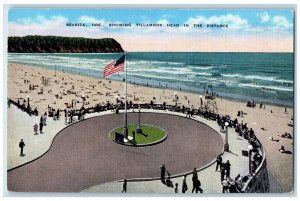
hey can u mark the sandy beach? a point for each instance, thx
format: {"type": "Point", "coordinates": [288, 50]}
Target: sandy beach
{"type": "Point", "coordinates": [270, 121]}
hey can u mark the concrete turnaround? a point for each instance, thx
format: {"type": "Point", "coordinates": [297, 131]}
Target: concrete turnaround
{"type": "Point", "coordinates": [83, 155]}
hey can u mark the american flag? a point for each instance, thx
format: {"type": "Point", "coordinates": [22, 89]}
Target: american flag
{"type": "Point", "coordinates": [114, 67]}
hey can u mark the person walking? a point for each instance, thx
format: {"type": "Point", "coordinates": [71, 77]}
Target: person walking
{"type": "Point", "coordinates": [41, 119]}
{"type": "Point", "coordinates": [198, 188]}
{"type": "Point", "coordinates": [227, 168]}
{"type": "Point", "coordinates": [66, 116]}
{"type": "Point", "coordinates": [124, 186]}
{"type": "Point", "coordinates": [57, 114]}
{"type": "Point", "coordinates": [176, 188]}
{"type": "Point", "coordinates": [184, 185]}
{"type": "Point", "coordinates": [194, 180]}
{"type": "Point", "coordinates": [21, 145]}
{"type": "Point", "coordinates": [35, 129]}
{"type": "Point", "coordinates": [45, 119]}
{"type": "Point", "coordinates": [219, 162]}
{"type": "Point", "coordinates": [162, 173]}
{"type": "Point", "coordinates": [194, 184]}
{"type": "Point", "coordinates": [222, 170]}
{"type": "Point", "coordinates": [41, 127]}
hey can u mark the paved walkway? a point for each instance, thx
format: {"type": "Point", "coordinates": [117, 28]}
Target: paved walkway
{"type": "Point", "coordinates": [209, 178]}
{"type": "Point", "coordinates": [20, 126]}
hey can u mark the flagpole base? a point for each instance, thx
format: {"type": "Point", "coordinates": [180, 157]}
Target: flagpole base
{"type": "Point", "coordinates": [127, 139]}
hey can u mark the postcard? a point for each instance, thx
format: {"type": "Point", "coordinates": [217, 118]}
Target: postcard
{"type": "Point", "coordinates": [156, 101]}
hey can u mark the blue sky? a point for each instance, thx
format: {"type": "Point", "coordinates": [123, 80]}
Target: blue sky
{"type": "Point", "coordinates": [174, 16]}
{"type": "Point", "coordinates": [259, 23]}
{"type": "Point", "coordinates": [134, 14]}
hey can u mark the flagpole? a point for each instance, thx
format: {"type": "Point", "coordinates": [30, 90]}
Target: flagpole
{"type": "Point", "coordinates": [125, 126]}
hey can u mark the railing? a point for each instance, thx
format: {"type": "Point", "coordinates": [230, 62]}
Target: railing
{"type": "Point", "coordinates": [259, 182]}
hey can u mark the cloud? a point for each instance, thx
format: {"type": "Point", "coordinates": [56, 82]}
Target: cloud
{"type": "Point", "coordinates": [42, 19]}
{"type": "Point", "coordinates": [233, 21]}
{"type": "Point", "coordinates": [264, 17]}
{"type": "Point", "coordinates": [280, 22]}
{"type": "Point", "coordinates": [89, 19]}
{"type": "Point", "coordinates": [162, 21]}
{"type": "Point", "coordinates": [24, 21]}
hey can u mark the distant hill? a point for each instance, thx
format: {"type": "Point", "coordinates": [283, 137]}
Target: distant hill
{"type": "Point", "coordinates": [57, 44]}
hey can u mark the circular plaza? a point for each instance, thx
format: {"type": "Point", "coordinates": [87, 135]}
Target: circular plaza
{"type": "Point", "coordinates": [83, 154]}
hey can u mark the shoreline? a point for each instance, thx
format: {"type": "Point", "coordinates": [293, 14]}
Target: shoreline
{"type": "Point", "coordinates": [228, 98]}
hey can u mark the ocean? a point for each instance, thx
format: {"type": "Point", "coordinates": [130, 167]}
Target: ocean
{"type": "Point", "coordinates": [262, 77]}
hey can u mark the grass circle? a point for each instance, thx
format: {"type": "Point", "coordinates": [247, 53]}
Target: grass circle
{"type": "Point", "coordinates": [150, 135]}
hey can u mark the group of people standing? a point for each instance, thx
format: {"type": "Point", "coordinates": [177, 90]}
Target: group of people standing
{"type": "Point", "coordinates": [36, 127]}
{"type": "Point", "coordinates": [70, 113]}
{"type": "Point", "coordinates": [226, 181]}
{"type": "Point", "coordinates": [196, 182]}
{"type": "Point", "coordinates": [43, 122]}
{"type": "Point", "coordinates": [224, 167]}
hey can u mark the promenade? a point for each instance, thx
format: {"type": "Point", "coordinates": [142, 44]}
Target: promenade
{"type": "Point", "coordinates": [37, 145]}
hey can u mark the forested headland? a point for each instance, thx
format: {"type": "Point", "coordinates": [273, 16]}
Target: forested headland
{"type": "Point", "coordinates": [57, 44]}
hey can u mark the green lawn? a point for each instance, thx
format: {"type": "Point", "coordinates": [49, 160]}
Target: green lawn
{"type": "Point", "coordinates": [149, 134]}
